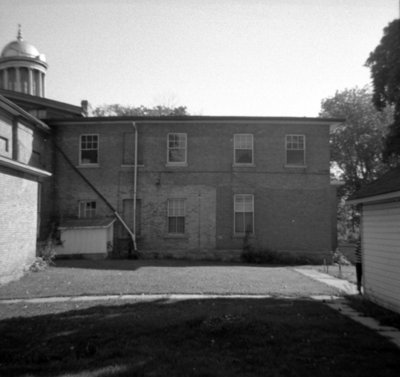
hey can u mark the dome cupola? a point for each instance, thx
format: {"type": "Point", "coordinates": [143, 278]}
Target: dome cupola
{"type": "Point", "coordinates": [22, 67]}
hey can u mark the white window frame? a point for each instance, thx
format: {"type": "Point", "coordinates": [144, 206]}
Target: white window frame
{"type": "Point", "coordinates": [177, 163]}
{"type": "Point", "coordinates": [287, 142]}
{"type": "Point", "coordinates": [242, 144]}
{"type": "Point", "coordinates": [174, 212]}
{"type": "Point", "coordinates": [81, 163]}
{"type": "Point", "coordinates": [237, 209]}
{"type": "Point", "coordinates": [83, 211]}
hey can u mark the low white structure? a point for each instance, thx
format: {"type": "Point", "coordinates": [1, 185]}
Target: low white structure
{"type": "Point", "coordinates": [380, 232]}
{"type": "Point", "coordinates": [86, 237]}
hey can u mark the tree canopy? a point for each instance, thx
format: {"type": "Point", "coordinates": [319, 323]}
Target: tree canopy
{"type": "Point", "coordinates": [119, 110]}
{"type": "Point", "coordinates": [356, 146]}
{"type": "Point", "coordinates": [384, 63]}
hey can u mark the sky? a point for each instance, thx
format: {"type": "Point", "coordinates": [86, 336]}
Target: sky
{"type": "Point", "coordinates": [216, 57]}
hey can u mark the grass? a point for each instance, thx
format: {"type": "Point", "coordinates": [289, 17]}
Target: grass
{"type": "Point", "coordinates": [80, 277]}
{"type": "Point", "coordinates": [218, 337]}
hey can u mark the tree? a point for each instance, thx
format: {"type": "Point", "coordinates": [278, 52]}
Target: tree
{"type": "Point", "coordinates": [119, 110]}
{"type": "Point", "coordinates": [384, 63]}
{"type": "Point", "coordinates": [356, 145]}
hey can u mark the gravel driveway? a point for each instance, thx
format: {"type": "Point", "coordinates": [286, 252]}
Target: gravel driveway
{"type": "Point", "coordinates": [81, 277]}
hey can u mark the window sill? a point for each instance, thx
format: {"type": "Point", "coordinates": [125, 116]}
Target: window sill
{"type": "Point", "coordinates": [296, 166]}
{"type": "Point", "coordinates": [131, 166]}
{"type": "Point", "coordinates": [176, 236]}
{"type": "Point", "coordinates": [180, 165]}
{"type": "Point", "coordinates": [244, 165]}
{"type": "Point", "coordinates": [85, 166]}
{"type": "Point", "coordinates": [242, 235]}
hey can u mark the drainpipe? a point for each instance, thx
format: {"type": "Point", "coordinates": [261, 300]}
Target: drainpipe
{"type": "Point", "coordinates": [135, 187]}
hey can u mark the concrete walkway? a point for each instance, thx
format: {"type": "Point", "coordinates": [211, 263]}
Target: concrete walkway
{"type": "Point", "coordinates": [343, 285]}
{"type": "Point", "coordinates": [341, 305]}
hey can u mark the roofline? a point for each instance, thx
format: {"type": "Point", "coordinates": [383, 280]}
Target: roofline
{"type": "Point", "coordinates": [14, 109]}
{"type": "Point", "coordinates": [196, 118]}
{"type": "Point", "coordinates": [19, 166]}
{"type": "Point", "coordinates": [41, 101]}
{"type": "Point", "coordinates": [375, 198]}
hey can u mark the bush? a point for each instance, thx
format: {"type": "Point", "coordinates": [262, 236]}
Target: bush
{"type": "Point", "coordinates": [267, 256]}
{"type": "Point", "coordinates": [47, 254]}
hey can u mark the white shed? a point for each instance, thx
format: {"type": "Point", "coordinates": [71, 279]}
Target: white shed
{"type": "Point", "coordinates": [86, 237]}
{"type": "Point", "coordinates": [380, 232]}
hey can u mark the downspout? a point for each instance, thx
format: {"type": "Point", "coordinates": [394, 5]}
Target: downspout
{"type": "Point", "coordinates": [135, 188]}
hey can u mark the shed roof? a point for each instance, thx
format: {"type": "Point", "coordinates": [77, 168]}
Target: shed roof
{"type": "Point", "coordinates": [94, 223]}
{"type": "Point", "coordinates": [387, 184]}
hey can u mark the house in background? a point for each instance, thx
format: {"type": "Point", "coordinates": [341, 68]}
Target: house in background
{"type": "Point", "coordinates": [190, 186]}
{"type": "Point", "coordinates": [380, 234]}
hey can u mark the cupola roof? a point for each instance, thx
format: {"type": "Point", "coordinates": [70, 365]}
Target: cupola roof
{"type": "Point", "coordinates": [21, 48]}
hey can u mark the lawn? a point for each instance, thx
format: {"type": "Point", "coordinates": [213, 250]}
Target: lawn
{"type": "Point", "coordinates": [80, 277]}
{"type": "Point", "coordinates": [209, 337]}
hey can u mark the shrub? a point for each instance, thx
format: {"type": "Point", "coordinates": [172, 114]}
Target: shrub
{"type": "Point", "coordinates": [47, 254]}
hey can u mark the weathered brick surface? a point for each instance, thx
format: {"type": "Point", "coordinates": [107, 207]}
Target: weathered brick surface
{"type": "Point", "coordinates": [292, 206]}
{"type": "Point", "coordinates": [18, 216]}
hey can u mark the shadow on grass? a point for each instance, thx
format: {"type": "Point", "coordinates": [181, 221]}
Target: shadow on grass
{"type": "Point", "coordinates": [132, 265]}
{"type": "Point", "coordinates": [214, 337]}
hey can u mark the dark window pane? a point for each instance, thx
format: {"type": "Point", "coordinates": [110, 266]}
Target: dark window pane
{"type": "Point", "coordinates": [89, 157]}
{"type": "Point", "coordinates": [244, 156]}
{"type": "Point", "coordinates": [295, 157]}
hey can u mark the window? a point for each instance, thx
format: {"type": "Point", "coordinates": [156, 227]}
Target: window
{"type": "Point", "coordinates": [89, 149]}
{"type": "Point", "coordinates": [3, 145]}
{"type": "Point", "coordinates": [177, 149]}
{"type": "Point", "coordinates": [176, 216]}
{"type": "Point", "coordinates": [243, 149]}
{"type": "Point", "coordinates": [87, 209]}
{"type": "Point", "coordinates": [244, 214]}
{"type": "Point", "coordinates": [295, 150]}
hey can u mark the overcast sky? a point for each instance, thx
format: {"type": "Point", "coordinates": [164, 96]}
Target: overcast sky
{"type": "Point", "coordinates": [217, 57]}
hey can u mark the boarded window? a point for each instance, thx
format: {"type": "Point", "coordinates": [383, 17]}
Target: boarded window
{"type": "Point", "coordinates": [127, 215]}
{"type": "Point", "coordinates": [129, 150]}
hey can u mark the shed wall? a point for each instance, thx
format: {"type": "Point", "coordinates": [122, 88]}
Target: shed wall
{"type": "Point", "coordinates": [381, 253]}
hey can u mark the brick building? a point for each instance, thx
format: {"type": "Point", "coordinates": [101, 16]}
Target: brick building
{"type": "Point", "coordinates": [202, 182]}
{"type": "Point", "coordinates": [189, 186]}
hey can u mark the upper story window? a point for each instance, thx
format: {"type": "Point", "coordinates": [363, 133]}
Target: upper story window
{"type": "Point", "coordinates": [176, 216]}
{"type": "Point", "coordinates": [243, 149]}
{"type": "Point", "coordinates": [296, 150]}
{"type": "Point", "coordinates": [89, 149]}
{"type": "Point", "coordinates": [177, 149]}
{"type": "Point", "coordinates": [244, 213]}
{"type": "Point", "coordinates": [87, 209]}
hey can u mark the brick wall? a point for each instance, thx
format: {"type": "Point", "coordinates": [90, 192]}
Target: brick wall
{"type": "Point", "coordinates": [18, 214]}
{"type": "Point", "coordinates": [292, 205]}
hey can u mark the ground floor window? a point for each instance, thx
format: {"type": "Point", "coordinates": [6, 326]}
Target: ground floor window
{"type": "Point", "coordinates": [176, 216]}
{"type": "Point", "coordinates": [244, 213]}
{"type": "Point", "coordinates": [87, 209]}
